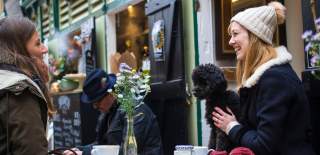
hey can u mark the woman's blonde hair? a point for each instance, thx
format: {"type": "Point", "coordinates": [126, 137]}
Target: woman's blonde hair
{"type": "Point", "coordinates": [258, 53]}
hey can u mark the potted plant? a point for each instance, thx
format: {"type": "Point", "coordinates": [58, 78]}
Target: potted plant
{"type": "Point", "coordinates": [311, 76]}
{"type": "Point", "coordinates": [312, 49]}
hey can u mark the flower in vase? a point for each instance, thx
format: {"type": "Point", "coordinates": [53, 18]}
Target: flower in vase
{"type": "Point", "coordinates": [131, 88]}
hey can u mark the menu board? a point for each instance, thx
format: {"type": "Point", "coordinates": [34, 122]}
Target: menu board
{"type": "Point", "coordinates": [67, 122]}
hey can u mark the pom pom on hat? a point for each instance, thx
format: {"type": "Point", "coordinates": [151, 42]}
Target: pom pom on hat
{"type": "Point", "coordinates": [262, 21]}
{"type": "Point", "coordinates": [280, 11]}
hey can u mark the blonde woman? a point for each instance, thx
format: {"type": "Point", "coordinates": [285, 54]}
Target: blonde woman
{"type": "Point", "coordinates": [274, 108]}
{"type": "Point", "coordinates": [24, 99]}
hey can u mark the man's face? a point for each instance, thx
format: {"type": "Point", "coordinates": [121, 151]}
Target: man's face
{"type": "Point", "coordinates": [105, 103]}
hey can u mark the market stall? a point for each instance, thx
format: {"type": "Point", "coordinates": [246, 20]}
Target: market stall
{"type": "Point", "coordinates": [72, 55]}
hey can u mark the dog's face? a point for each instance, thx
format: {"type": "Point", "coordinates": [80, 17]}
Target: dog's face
{"type": "Point", "coordinates": [201, 88]}
{"type": "Point", "coordinates": [207, 80]}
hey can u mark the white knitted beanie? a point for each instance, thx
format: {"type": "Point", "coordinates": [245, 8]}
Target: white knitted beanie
{"type": "Point", "coordinates": [261, 21]}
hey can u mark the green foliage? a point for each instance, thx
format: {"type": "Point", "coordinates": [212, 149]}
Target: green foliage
{"type": "Point", "coordinates": [131, 88]}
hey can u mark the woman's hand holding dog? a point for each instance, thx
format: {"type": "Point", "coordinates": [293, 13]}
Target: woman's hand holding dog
{"type": "Point", "coordinates": [224, 120]}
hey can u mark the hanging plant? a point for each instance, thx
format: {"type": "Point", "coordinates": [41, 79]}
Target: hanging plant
{"type": "Point", "coordinates": [312, 40]}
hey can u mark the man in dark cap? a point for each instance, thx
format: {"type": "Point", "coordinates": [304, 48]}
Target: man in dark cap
{"type": "Point", "coordinates": [112, 122]}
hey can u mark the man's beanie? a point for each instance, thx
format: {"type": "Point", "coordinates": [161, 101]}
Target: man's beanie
{"type": "Point", "coordinates": [262, 21]}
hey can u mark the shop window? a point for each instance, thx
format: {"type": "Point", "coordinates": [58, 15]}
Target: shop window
{"type": "Point", "coordinates": [64, 14]}
{"type": "Point", "coordinates": [132, 39]}
{"type": "Point", "coordinates": [225, 9]}
{"type": "Point", "coordinates": [96, 5]}
{"type": "Point", "coordinates": [47, 19]}
{"type": "Point", "coordinates": [71, 55]}
{"type": "Point", "coordinates": [73, 11]}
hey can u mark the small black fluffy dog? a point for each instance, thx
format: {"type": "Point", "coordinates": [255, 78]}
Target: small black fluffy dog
{"type": "Point", "coordinates": [210, 84]}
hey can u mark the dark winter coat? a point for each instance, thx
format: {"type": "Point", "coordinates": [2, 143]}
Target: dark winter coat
{"type": "Point", "coordinates": [112, 129]}
{"type": "Point", "coordinates": [275, 112]}
{"type": "Point", "coordinates": [23, 115]}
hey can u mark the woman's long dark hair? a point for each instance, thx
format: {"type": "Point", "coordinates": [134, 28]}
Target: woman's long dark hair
{"type": "Point", "coordinates": [15, 32]}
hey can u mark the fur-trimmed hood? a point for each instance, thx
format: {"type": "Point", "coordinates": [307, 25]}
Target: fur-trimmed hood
{"type": "Point", "coordinates": [283, 56]}
{"type": "Point", "coordinates": [6, 57]}
{"type": "Point", "coordinates": [9, 78]}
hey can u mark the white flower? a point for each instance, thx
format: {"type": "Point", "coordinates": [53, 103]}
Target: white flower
{"type": "Point", "coordinates": [109, 90]}
{"type": "Point", "coordinates": [308, 46]}
{"type": "Point", "coordinates": [123, 67]}
{"type": "Point", "coordinates": [139, 97]}
{"type": "Point", "coordinates": [136, 76]}
{"type": "Point", "coordinates": [143, 86]}
{"type": "Point", "coordinates": [120, 78]}
{"type": "Point", "coordinates": [142, 90]}
{"type": "Point", "coordinates": [315, 37]}
{"type": "Point", "coordinates": [137, 91]}
{"type": "Point", "coordinates": [307, 34]}
{"type": "Point", "coordinates": [130, 88]}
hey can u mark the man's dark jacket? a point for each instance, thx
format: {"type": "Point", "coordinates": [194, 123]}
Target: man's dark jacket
{"type": "Point", "coordinates": [111, 130]}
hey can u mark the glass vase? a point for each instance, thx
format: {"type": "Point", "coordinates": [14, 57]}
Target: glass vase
{"type": "Point", "coordinates": [130, 144]}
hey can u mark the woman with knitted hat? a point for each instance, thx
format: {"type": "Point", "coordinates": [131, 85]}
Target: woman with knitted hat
{"type": "Point", "coordinates": [274, 108]}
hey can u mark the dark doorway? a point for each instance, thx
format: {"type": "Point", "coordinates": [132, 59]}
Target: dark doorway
{"type": "Point", "coordinates": [168, 93]}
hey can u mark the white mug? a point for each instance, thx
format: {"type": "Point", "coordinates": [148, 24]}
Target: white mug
{"type": "Point", "coordinates": [105, 149]}
{"type": "Point", "coordinates": [181, 152]}
{"type": "Point", "coordinates": [200, 150]}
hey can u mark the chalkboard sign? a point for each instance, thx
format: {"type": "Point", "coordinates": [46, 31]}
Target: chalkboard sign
{"type": "Point", "coordinates": [67, 122]}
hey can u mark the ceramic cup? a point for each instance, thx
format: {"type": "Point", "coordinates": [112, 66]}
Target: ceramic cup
{"type": "Point", "coordinates": [200, 150]}
{"type": "Point", "coordinates": [105, 149]}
